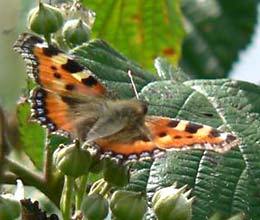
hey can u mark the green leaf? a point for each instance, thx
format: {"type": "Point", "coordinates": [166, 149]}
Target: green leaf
{"type": "Point", "coordinates": [167, 72]}
{"type": "Point", "coordinates": [112, 67]}
{"type": "Point", "coordinates": [141, 29]}
{"type": "Point", "coordinates": [217, 31]}
{"type": "Point", "coordinates": [55, 140]}
{"type": "Point", "coordinates": [139, 176]}
{"type": "Point", "coordinates": [32, 135]}
{"type": "Point", "coordinates": [226, 183]}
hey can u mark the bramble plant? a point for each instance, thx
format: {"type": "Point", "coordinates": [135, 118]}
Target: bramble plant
{"type": "Point", "coordinates": [181, 185]}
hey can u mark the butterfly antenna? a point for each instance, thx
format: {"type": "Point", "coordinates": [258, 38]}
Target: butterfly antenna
{"type": "Point", "coordinates": [133, 84]}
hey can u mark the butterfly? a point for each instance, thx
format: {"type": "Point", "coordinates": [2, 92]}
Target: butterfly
{"type": "Point", "coordinates": [71, 100]}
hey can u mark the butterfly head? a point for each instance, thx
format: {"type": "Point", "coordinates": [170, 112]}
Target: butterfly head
{"type": "Point", "coordinates": [140, 106]}
{"type": "Point", "coordinates": [136, 107]}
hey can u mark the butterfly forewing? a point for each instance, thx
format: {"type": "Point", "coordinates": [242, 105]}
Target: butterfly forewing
{"type": "Point", "coordinates": [65, 86]}
{"type": "Point", "coordinates": [56, 71]}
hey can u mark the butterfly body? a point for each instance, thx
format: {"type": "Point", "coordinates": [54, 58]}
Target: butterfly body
{"type": "Point", "coordinates": [70, 99]}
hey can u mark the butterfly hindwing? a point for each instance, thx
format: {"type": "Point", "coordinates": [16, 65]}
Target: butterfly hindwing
{"type": "Point", "coordinates": [168, 134]}
{"type": "Point", "coordinates": [51, 111]}
{"type": "Point", "coordinates": [174, 134]}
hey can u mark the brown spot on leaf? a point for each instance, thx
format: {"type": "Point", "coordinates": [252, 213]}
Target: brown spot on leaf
{"type": "Point", "coordinates": [168, 51]}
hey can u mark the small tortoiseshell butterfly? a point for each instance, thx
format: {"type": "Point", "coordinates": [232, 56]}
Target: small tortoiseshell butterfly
{"type": "Point", "coordinates": [71, 100]}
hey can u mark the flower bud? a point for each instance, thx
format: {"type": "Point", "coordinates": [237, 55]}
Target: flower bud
{"type": "Point", "coordinates": [115, 173]}
{"type": "Point", "coordinates": [94, 207]}
{"type": "Point", "coordinates": [76, 32]}
{"type": "Point", "coordinates": [9, 207]}
{"type": "Point", "coordinates": [171, 203]}
{"type": "Point", "coordinates": [97, 164]}
{"type": "Point", "coordinates": [128, 205]}
{"type": "Point", "coordinates": [72, 160]}
{"type": "Point", "coordinates": [45, 19]}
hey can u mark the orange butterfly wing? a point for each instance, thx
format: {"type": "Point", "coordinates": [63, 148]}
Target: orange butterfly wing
{"type": "Point", "coordinates": [54, 70]}
{"type": "Point", "coordinates": [49, 109]}
{"type": "Point", "coordinates": [59, 76]}
{"type": "Point", "coordinates": [172, 134]}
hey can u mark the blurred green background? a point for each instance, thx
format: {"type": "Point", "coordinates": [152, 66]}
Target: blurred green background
{"type": "Point", "coordinates": [12, 21]}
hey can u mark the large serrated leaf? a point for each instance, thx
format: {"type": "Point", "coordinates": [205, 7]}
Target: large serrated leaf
{"type": "Point", "coordinates": [217, 180]}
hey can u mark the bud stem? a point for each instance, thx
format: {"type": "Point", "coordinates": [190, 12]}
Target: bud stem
{"type": "Point", "coordinates": [81, 191]}
{"type": "Point", "coordinates": [48, 38]}
{"type": "Point", "coordinates": [66, 198]}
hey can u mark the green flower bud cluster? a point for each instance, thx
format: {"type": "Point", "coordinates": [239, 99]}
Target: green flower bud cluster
{"type": "Point", "coordinates": [46, 20]}
{"type": "Point", "coordinates": [171, 203]}
{"type": "Point", "coordinates": [115, 174]}
{"type": "Point", "coordinates": [72, 160]}
{"type": "Point", "coordinates": [95, 207]}
{"type": "Point", "coordinates": [76, 32]}
{"type": "Point", "coordinates": [128, 205]}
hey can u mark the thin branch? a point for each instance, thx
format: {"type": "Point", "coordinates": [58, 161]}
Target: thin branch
{"type": "Point", "coordinates": [8, 178]}
{"type": "Point", "coordinates": [34, 179]}
{"type": "Point", "coordinates": [26, 175]}
{"type": "Point", "coordinates": [47, 161]}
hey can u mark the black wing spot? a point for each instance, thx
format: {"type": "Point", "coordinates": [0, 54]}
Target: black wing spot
{"type": "Point", "coordinates": [50, 51]}
{"type": "Point", "coordinates": [173, 123]}
{"type": "Point", "coordinates": [53, 67]}
{"type": "Point", "coordinates": [72, 102]}
{"type": "Point", "coordinates": [177, 137]}
{"type": "Point", "coordinates": [70, 87]}
{"type": "Point", "coordinates": [72, 66]}
{"type": "Point", "coordinates": [145, 139]}
{"type": "Point", "coordinates": [230, 138]}
{"type": "Point", "coordinates": [89, 81]}
{"type": "Point", "coordinates": [57, 75]}
{"type": "Point", "coordinates": [162, 134]}
{"type": "Point", "coordinates": [193, 128]}
{"type": "Point", "coordinates": [214, 133]}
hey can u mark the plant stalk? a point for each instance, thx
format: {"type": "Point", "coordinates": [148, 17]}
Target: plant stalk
{"type": "Point", "coordinates": [31, 178]}
{"type": "Point", "coordinates": [81, 191]}
{"type": "Point", "coordinates": [66, 197]}
{"type": "Point", "coordinates": [47, 161]}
